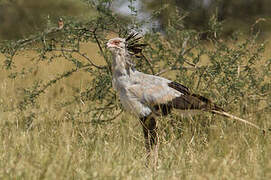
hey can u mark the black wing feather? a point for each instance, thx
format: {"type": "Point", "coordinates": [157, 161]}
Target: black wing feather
{"type": "Point", "coordinates": [187, 101]}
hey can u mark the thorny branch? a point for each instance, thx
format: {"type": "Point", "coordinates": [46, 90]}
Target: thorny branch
{"type": "Point", "coordinates": [31, 95]}
{"type": "Point", "coordinates": [88, 59]}
{"type": "Point", "coordinates": [183, 53]}
{"type": "Point", "coordinates": [24, 42]}
{"type": "Point", "coordinates": [99, 45]}
{"type": "Point", "coordinates": [36, 93]}
{"type": "Point", "coordinates": [82, 55]}
{"type": "Point", "coordinates": [37, 37]}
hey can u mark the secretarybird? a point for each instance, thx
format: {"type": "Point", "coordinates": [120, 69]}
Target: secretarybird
{"type": "Point", "coordinates": [147, 96]}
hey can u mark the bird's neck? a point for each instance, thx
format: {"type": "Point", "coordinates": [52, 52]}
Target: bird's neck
{"type": "Point", "coordinates": [120, 66]}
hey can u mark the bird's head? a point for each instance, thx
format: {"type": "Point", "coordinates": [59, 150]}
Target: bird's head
{"type": "Point", "coordinates": [116, 45]}
{"type": "Point", "coordinates": [129, 45]}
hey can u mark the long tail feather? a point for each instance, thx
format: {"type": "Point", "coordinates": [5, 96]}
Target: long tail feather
{"type": "Point", "coordinates": [223, 113]}
{"type": "Point", "coordinates": [189, 101]}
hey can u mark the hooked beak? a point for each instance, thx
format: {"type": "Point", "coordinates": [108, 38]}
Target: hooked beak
{"type": "Point", "coordinates": [108, 45]}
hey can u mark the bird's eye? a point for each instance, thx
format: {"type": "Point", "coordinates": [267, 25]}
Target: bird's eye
{"type": "Point", "coordinates": [116, 42]}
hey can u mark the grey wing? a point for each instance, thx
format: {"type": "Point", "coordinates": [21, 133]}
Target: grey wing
{"type": "Point", "coordinates": [152, 90]}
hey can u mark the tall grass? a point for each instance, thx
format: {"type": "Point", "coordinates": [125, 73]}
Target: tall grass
{"type": "Point", "coordinates": [56, 149]}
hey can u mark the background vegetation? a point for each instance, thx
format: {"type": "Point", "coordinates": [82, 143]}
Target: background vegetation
{"type": "Point", "coordinates": [60, 118]}
{"type": "Point", "coordinates": [236, 14]}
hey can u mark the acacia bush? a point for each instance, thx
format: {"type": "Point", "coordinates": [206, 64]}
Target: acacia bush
{"type": "Point", "coordinates": [232, 72]}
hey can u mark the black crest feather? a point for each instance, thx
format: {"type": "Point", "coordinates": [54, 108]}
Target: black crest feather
{"type": "Point", "coordinates": [133, 45]}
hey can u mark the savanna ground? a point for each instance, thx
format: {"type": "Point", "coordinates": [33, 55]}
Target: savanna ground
{"type": "Point", "coordinates": [55, 134]}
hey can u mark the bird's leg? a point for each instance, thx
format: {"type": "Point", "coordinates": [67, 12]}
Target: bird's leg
{"type": "Point", "coordinates": [151, 137]}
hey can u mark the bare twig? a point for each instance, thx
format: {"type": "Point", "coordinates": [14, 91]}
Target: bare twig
{"type": "Point", "coordinates": [99, 45]}
{"type": "Point", "coordinates": [102, 121]}
{"type": "Point", "coordinates": [88, 59]}
{"type": "Point", "coordinates": [24, 42]}
{"type": "Point", "coordinates": [100, 109]}
{"type": "Point", "coordinates": [101, 50]}
{"type": "Point", "coordinates": [189, 63]}
{"type": "Point", "coordinates": [113, 118]}
{"type": "Point", "coordinates": [175, 68]}
{"type": "Point", "coordinates": [82, 55]}
{"type": "Point", "coordinates": [148, 62]}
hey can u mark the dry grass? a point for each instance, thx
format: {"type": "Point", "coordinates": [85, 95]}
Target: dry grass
{"type": "Point", "coordinates": [58, 145]}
